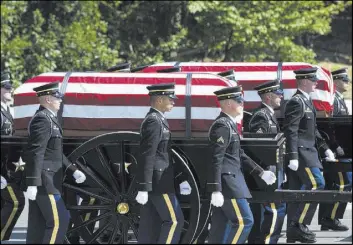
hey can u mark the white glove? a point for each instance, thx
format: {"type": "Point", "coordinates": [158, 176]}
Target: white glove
{"type": "Point", "coordinates": [329, 155]}
{"type": "Point", "coordinates": [3, 183]}
{"type": "Point", "coordinates": [142, 197]}
{"type": "Point", "coordinates": [269, 177]}
{"type": "Point", "coordinates": [293, 164]}
{"type": "Point", "coordinates": [185, 188]}
{"type": "Point", "coordinates": [217, 199]}
{"type": "Point", "coordinates": [31, 192]}
{"type": "Point", "coordinates": [79, 176]}
{"type": "Point", "coordinates": [340, 151]}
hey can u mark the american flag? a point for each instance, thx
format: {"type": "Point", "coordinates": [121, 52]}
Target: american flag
{"type": "Point", "coordinates": [97, 102]}
{"type": "Point", "coordinates": [106, 102]}
{"type": "Point", "coordinates": [251, 74]}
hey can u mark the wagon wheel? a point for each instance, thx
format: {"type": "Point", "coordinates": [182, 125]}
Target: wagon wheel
{"type": "Point", "coordinates": [103, 208]}
{"type": "Point", "coordinates": [201, 232]}
{"type": "Point", "coordinates": [190, 204]}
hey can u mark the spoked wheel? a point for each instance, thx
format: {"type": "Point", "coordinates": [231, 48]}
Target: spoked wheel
{"type": "Point", "coordinates": [103, 208]}
{"type": "Point", "coordinates": [200, 231]}
{"type": "Point", "coordinates": [190, 204]}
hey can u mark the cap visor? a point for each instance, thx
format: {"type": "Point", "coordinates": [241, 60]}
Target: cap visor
{"type": "Point", "coordinates": [314, 79]}
{"type": "Point", "coordinates": [278, 92]}
{"type": "Point", "coordinates": [239, 99]}
{"type": "Point", "coordinates": [172, 96]}
{"type": "Point", "coordinates": [346, 80]}
{"type": "Point", "coordinates": [58, 95]}
{"type": "Point", "coordinates": [7, 86]}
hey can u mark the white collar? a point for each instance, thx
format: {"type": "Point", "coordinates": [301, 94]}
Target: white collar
{"type": "Point", "coordinates": [233, 118]}
{"type": "Point", "coordinates": [158, 111]}
{"type": "Point", "coordinates": [54, 114]}
{"type": "Point", "coordinates": [269, 107]}
{"type": "Point", "coordinates": [305, 94]}
{"type": "Point", "coordinates": [3, 104]}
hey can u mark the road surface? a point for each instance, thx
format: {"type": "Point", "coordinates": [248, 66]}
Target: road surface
{"type": "Point", "coordinates": [323, 237]}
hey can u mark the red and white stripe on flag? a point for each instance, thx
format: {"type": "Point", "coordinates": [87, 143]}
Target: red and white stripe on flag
{"type": "Point", "coordinates": [251, 74]}
{"type": "Point", "coordinates": [120, 101]}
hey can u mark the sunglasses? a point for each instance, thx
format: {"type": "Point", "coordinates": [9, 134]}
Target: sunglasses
{"type": "Point", "coordinates": [239, 99]}
{"type": "Point", "coordinates": [278, 92]}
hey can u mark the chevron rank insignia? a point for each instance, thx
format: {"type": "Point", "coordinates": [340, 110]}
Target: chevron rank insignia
{"type": "Point", "coordinates": [127, 164]}
{"type": "Point", "coordinates": [259, 131]}
{"type": "Point", "coordinates": [221, 140]}
{"type": "Point", "coordinates": [307, 109]}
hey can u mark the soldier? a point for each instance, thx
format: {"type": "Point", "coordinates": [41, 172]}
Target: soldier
{"type": "Point", "coordinates": [161, 216]}
{"type": "Point", "coordinates": [232, 219]}
{"type": "Point", "coordinates": [330, 213]}
{"type": "Point", "coordinates": [302, 143]}
{"type": "Point", "coordinates": [263, 120]}
{"type": "Point", "coordinates": [12, 198]}
{"type": "Point", "coordinates": [341, 80]}
{"type": "Point", "coordinates": [48, 218]}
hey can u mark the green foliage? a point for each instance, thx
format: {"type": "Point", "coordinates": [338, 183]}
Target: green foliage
{"type": "Point", "coordinates": [14, 40]}
{"type": "Point", "coordinates": [35, 40]}
{"type": "Point", "coordinates": [258, 30]}
{"type": "Point", "coordinates": [44, 36]}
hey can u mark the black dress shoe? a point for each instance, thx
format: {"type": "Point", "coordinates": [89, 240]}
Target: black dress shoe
{"type": "Point", "coordinates": [335, 225]}
{"type": "Point", "coordinates": [303, 228]}
{"type": "Point", "coordinates": [300, 239]}
{"type": "Point", "coordinates": [299, 232]}
{"type": "Point", "coordinates": [306, 230]}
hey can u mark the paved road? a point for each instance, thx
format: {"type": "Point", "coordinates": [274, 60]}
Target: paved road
{"type": "Point", "coordinates": [19, 234]}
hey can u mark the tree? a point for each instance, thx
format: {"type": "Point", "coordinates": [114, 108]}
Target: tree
{"type": "Point", "coordinates": [255, 30]}
{"type": "Point", "coordinates": [148, 31]}
{"type": "Point", "coordinates": [13, 39]}
{"type": "Point", "coordinates": [39, 37]}
{"type": "Point", "coordinates": [44, 36]}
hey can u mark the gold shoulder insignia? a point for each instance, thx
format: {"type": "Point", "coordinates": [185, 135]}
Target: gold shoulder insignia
{"type": "Point", "coordinates": [307, 109]}
{"type": "Point", "coordinates": [259, 131]}
{"type": "Point", "coordinates": [220, 139]}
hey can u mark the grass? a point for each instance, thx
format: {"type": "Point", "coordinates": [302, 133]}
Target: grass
{"type": "Point", "coordinates": [335, 66]}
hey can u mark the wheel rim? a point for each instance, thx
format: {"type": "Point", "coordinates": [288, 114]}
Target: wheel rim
{"type": "Point", "coordinates": [108, 184]}
{"type": "Point", "coordinates": [108, 194]}
{"type": "Point", "coordinates": [190, 226]}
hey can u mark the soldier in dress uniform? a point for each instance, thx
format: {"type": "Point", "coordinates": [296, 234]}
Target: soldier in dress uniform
{"type": "Point", "coordinates": [12, 198]}
{"type": "Point", "coordinates": [231, 220]}
{"type": "Point", "coordinates": [48, 217]}
{"type": "Point", "coordinates": [330, 213]}
{"type": "Point", "coordinates": [341, 80]}
{"type": "Point", "coordinates": [303, 141]}
{"type": "Point", "coordinates": [263, 120]}
{"type": "Point", "coordinates": [161, 215]}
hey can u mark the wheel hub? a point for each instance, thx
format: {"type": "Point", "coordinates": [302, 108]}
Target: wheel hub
{"type": "Point", "coordinates": [122, 208]}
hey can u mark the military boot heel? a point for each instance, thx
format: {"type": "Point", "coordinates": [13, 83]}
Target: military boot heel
{"type": "Point", "coordinates": [301, 240]}
{"type": "Point", "coordinates": [324, 228]}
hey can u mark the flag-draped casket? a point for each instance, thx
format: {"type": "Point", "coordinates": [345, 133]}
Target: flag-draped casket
{"type": "Point", "coordinates": [96, 103]}
{"type": "Point", "coordinates": [101, 102]}
{"type": "Point", "coordinates": [251, 74]}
